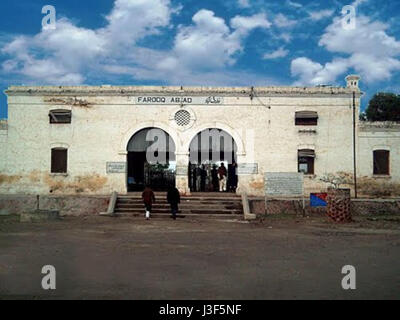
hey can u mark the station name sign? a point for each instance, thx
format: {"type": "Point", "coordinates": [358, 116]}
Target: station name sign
{"type": "Point", "coordinates": [211, 100]}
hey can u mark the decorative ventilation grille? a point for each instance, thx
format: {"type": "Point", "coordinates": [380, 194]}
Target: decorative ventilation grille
{"type": "Point", "coordinates": [182, 118]}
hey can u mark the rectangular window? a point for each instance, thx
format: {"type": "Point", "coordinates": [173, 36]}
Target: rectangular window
{"type": "Point", "coordinates": [60, 116]}
{"type": "Point", "coordinates": [306, 118]}
{"type": "Point", "coordinates": [306, 161]}
{"type": "Point", "coordinates": [381, 162]}
{"type": "Point", "coordinates": [59, 159]}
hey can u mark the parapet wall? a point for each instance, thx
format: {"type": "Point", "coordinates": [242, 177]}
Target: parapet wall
{"type": "Point", "coordinates": [381, 126]}
{"type": "Point", "coordinates": [108, 90]}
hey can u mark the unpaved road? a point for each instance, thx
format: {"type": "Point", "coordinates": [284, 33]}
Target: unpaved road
{"type": "Point", "coordinates": [130, 258]}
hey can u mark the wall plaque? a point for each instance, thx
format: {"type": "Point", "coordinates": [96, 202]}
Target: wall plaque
{"type": "Point", "coordinates": [116, 167]}
{"type": "Point", "coordinates": [247, 168]}
{"type": "Point", "coordinates": [284, 184]}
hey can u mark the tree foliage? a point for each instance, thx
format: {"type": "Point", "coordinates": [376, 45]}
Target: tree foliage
{"type": "Point", "coordinates": [384, 107]}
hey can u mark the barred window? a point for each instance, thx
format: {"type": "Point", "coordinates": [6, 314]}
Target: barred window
{"type": "Point", "coordinates": [381, 162]}
{"type": "Point", "coordinates": [306, 118]}
{"type": "Point", "coordinates": [305, 159]}
{"type": "Point", "coordinates": [59, 160]}
{"type": "Point", "coordinates": [60, 116]}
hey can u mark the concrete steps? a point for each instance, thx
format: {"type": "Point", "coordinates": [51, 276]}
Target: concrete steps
{"type": "Point", "coordinates": [211, 205]}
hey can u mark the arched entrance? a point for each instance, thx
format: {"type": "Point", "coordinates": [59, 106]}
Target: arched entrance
{"type": "Point", "coordinates": [151, 160]}
{"type": "Point", "coordinates": [210, 150]}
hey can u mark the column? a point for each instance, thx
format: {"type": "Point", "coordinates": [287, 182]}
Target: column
{"type": "Point", "coordinates": [182, 165]}
{"type": "Point", "coordinates": [241, 188]}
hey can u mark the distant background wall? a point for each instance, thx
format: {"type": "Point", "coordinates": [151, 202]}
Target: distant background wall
{"type": "Point", "coordinates": [378, 136]}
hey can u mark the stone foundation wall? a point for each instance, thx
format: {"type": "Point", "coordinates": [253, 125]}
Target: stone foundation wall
{"type": "Point", "coordinates": [358, 207]}
{"type": "Point", "coordinates": [89, 205]}
{"type": "Point", "coordinates": [67, 205]}
{"type": "Point", "coordinates": [376, 206]}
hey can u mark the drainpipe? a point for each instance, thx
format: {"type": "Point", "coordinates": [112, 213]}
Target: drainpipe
{"type": "Point", "coordinates": [354, 144]}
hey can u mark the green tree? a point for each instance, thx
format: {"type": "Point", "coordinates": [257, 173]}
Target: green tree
{"type": "Point", "coordinates": [384, 107]}
{"type": "Point", "coordinates": [363, 116]}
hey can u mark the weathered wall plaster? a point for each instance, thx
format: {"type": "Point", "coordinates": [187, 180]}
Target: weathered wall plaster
{"type": "Point", "coordinates": [261, 120]}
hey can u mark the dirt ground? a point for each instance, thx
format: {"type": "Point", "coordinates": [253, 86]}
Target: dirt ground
{"type": "Point", "coordinates": [281, 257]}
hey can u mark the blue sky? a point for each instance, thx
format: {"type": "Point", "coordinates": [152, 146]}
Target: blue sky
{"type": "Point", "coordinates": [209, 42]}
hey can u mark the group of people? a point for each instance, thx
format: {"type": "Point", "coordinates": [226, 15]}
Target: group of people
{"type": "Point", "coordinates": [173, 198]}
{"type": "Point", "coordinates": [217, 179]}
{"type": "Point", "coordinates": [222, 179]}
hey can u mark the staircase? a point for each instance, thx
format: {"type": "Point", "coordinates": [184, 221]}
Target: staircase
{"type": "Point", "coordinates": [217, 205]}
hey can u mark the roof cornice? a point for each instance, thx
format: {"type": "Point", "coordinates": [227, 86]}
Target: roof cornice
{"type": "Point", "coordinates": [180, 91]}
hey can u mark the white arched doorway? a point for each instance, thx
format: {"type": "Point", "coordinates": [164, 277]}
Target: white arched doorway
{"type": "Point", "coordinates": [209, 150]}
{"type": "Point", "coordinates": [151, 160]}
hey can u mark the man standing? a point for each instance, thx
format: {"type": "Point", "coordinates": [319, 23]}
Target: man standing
{"type": "Point", "coordinates": [214, 178]}
{"type": "Point", "coordinates": [148, 200]}
{"type": "Point", "coordinates": [203, 178]}
{"type": "Point", "coordinates": [232, 177]}
{"type": "Point", "coordinates": [198, 178]}
{"type": "Point", "coordinates": [173, 198]}
{"type": "Point", "coordinates": [222, 177]}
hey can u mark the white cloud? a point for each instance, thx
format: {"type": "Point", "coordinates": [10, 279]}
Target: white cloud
{"type": "Point", "coordinates": [305, 69]}
{"type": "Point", "coordinates": [370, 51]}
{"type": "Point", "coordinates": [358, 2]}
{"type": "Point", "coordinates": [205, 78]}
{"type": "Point", "coordinates": [313, 73]}
{"type": "Point", "coordinates": [373, 68]}
{"type": "Point", "coordinates": [60, 55]}
{"type": "Point", "coordinates": [367, 37]}
{"type": "Point", "coordinates": [201, 51]}
{"type": "Point", "coordinates": [320, 15]}
{"type": "Point", "coordinates": [209, 42]}
{"type": "Point", "coordinates": [282, 21]}
{"type": "Point", "coordinates": [131, 20]}
{"type": "Point", "coordinates": [65, 51]}
{"type": "Point", "coordinates": [279, 53]}
{"type": "Point", "coordinates": [246, 24]}
{"type": "Point", "coordinates": [294, 4]}
{"type": "Point", "coordinates": [244, 3]}
{"type": "Point", "coordinates": [287, 37]}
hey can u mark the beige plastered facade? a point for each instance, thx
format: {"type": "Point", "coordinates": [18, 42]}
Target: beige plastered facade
{"type": "Point", "coordinates": [261, 120]}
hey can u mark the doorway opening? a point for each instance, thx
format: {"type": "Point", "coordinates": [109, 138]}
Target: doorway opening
{"type": "Point", "coordinates": [213, 152]}
{"type": "Point", "coordinates": [151, 160]}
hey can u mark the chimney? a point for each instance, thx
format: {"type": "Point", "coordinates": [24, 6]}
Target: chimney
{"type": "Point", "coordinates": [352, 81]}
